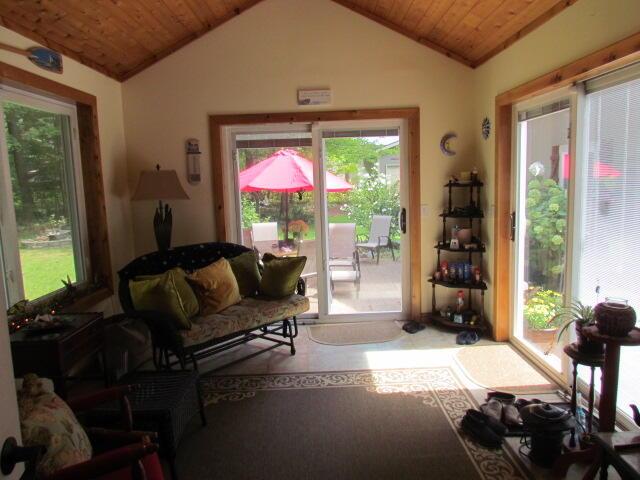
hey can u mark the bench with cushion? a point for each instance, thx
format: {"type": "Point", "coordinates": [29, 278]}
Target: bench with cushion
{"type": "Point", "coordinates": [273, 319]}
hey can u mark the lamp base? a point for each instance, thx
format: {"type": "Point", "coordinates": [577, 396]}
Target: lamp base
{"type": "Point", "coordinates": [162, 224]}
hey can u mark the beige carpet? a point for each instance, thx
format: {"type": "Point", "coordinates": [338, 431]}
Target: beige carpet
{"type": "Point", "coordinates": [500, 367]}
{"type": "Point", "coordinates": [380, 424]}
{"type": "Point", "coordinates": [354, 333]}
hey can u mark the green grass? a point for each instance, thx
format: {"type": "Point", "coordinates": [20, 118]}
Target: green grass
{"type": "Point", "coordinates": [43, 270]}
{"type": "Point", "coordinates": [311, 234]}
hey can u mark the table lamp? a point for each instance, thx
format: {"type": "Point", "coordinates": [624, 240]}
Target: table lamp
{"type": "Point", "coordinates": [160, 185]}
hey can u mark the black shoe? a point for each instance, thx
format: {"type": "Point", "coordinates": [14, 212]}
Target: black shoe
{"type": "Point", "coordinates": [461, 338]}
{"type": "Point", "coordinates": [472, 337]}
{"type": "Point", "coordinates": [498, 427]}
{"type": "Point", "coordinates": [480, 432]}
{"type": "Point", "coordinates": [413, 327]}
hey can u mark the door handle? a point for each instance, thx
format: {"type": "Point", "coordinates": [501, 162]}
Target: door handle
{"type": "Point", "coordinates": [512, 228]}
{"type": "Point", "coordinates": [13, 454]}
{"type": "Point", "coordinates": [403, 220]}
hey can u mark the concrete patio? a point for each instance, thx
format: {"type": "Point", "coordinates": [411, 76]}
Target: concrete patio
{"type": "Point", "coordinates": [379, 290]}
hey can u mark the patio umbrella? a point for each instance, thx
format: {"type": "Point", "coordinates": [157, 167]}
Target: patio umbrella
{"type": "Point", "coordinates": [286, 171]}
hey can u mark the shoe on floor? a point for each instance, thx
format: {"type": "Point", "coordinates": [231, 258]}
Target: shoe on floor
{"type": "Point", "coordinates": [498, 427]}
{"type": "Point", "coordinates": [413, 327]}
{"type": "Point", "coordinates": [480, 432]}
{"type": "Point", "coordinates": [472, 337]}
{"type": "Point", "coordinates": [493, 409]}
{"type": "Point", "coordinates": [511, 416]}
{"type": "Point", "coordinates": [461, 338]}
{"type": "Point", "coordinates": [505, 398]}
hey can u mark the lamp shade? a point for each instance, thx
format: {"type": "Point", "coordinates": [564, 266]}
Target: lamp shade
{"type": "Point", "coordinates": [159, 185]}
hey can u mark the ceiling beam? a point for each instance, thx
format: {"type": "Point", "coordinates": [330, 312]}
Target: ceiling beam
{"type": "Point", "coordinates": [407, 33]}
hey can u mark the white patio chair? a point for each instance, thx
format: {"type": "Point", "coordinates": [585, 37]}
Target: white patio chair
{"type": "Point", "coordinates": [378, 237]}
{"type": "Point", "coordinates": [344, 261]}
{"type": "Point", "coordinates": [264, 236]}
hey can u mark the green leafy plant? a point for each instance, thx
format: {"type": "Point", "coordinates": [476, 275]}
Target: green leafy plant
{"type": "Point", "coordinates": [373, 196]}
{"type": "Point", "coordinates": [577, 313]}
{"type": "Point", "coordinates": [546, 213]}
{"type": "Point", "coordinates": [249, 211]}
{"type": "Point", "coordinates": [541, 309]}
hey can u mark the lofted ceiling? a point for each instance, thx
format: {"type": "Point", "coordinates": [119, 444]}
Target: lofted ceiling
{"type": "Point", "coordinates": [122, 37]}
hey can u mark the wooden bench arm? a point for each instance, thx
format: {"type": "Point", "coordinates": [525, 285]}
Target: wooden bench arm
{"type": "Point", "coordinates": [106, 462]}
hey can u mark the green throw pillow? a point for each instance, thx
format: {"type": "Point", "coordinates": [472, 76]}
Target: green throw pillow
{"type": "Point", "coordinates": [159, 294]}
{"type": "Point", "coordinates": [245, 269]}
{"type": "Point", "coordinates": [280, 275]}
{"type": "Point", "coordinates": [186, 293]}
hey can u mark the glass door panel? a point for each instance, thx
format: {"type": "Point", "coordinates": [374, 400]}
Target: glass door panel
{"type": "Point", "coordinates": [610, 225]}
{"type": "Point", "coordinates": [364, 260]}
{"type": "Point", "coordinates": [276, 198]}
{"type": "Point", "coordinates": [543, 175]}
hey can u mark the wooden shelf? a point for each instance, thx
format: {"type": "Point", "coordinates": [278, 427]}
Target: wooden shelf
{"type": "Point", "coordinates": [459, 285]}
{"type": "Point", "coordinates": [445, 247]}
{"type": "Point", "coordinates": [460, 184]}
{"type": "Point", "coordinates": [458, 215]}
{"type": "Point", "coordinates": [445, 322]}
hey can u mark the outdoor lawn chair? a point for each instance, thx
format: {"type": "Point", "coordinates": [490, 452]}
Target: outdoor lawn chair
{"type": "Point", "coordinates": [379, 237]}
{"type": "Point", "coordinates": [344, 260]}
{"type": "Point", "coordinates": [264, 236]}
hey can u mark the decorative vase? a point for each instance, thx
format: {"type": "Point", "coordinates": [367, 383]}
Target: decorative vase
{"type": "Point", "coordinates": [614, 317]}
{"type": "Point", "coordinates": [585, 345]}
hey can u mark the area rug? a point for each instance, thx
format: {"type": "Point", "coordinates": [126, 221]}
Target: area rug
{"type": "Point", "coordinates": [500, 367]}
{"type": "Point", "coordinates": [340, 425]}
{"type": "Point", "coordinates": [354, 333]}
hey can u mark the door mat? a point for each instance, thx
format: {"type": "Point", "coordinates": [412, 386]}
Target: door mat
{"type": "Point", "coordinates": [354, 333]}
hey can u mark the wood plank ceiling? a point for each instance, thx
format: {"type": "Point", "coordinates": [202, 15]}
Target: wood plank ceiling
{"type": "Point", "coordinates": [123, 37]}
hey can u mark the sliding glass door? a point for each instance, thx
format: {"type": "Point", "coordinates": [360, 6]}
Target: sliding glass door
{"type": "Point", "coordinates": [608, 229]}
{"type": "Point", "coordinates": [541, 224]}
{"type": "Point", "coordinates": [364, 220]}
{"type": "Point", "coordinates": [331, 192]}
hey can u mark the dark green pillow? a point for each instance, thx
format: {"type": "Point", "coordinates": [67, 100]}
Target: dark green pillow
{"type": "Point", "coordinates": [187, 297]}
{"type": "Point", "coordinates": [280, 275]}
{"type": "Point", "coordinates": [245, 269]}
{"type": "Point", "coordinates": [159, 294]}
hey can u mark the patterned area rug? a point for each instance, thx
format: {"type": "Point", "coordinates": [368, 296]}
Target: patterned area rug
{"type": "Point", "coordinates": [400, 423]}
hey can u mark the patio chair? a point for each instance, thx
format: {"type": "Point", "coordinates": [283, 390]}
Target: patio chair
{"type": "Point", "coordinates": [378, 237]}
{"type": "Point", "coordinates": [344, 260]}
{"type": "Point", "coordinates": [264, 236]}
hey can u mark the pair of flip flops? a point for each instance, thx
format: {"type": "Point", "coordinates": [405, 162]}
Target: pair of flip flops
{"type": "Point", "coordinates": [467, 337]}
{"type": "Point", "coordinates": [413, 327]}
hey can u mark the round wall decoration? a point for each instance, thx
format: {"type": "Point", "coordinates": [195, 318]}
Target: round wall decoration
{"type": "Point", "coordinates": [486, 128]}
{"type": "Point", "coordinates": [445, 144]}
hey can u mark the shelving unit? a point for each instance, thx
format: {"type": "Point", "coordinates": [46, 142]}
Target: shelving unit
{"type": "Point", "coordinates": [473, 214]}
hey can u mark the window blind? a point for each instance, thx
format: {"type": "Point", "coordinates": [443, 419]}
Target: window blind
{"type": "Point", "coordinates": [611, 202]}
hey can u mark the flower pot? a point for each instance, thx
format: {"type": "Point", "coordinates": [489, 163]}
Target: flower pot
{"type": "Point", "coordinates": [540, 336]}
{"type": "Point", "coordinates": [614, 318]}
{"type": "Point", "coordinates": [587, 346]}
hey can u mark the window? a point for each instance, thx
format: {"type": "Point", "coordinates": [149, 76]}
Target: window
{"type": "Point", "coordinates": [42, 223]}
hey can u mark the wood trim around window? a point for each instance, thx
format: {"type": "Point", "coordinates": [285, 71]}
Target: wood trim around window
{"type": "Point", "coordinates": [99, 271]}
{"type": "Point", "coordinates": [619, 54]}
{"type": "Point", "coordinates": [412, 115]}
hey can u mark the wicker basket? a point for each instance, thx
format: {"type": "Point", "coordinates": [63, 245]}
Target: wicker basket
{"type": "Point", "coordinates": [614, 318]}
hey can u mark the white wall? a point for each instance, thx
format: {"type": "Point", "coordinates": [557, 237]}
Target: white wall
{"type": "Point", "coordinates": [585, 27]}
{"type": "Point", "coordinates": [255, 63]}
{"type": "Point", "coordinates": [112, 143]}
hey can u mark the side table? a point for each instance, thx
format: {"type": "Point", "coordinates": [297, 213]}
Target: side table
{"type": "Point", "coordinates": [610, 372]}
{"type": "Point", "coordinates": [162, 402]}
{"type": "Point", "coordinates": [591, 361]}
{"type": "Point", "coordinates": [61, 354]}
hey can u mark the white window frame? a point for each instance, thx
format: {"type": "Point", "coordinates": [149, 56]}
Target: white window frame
{"type": "Point", "coordinates": [10, 260]}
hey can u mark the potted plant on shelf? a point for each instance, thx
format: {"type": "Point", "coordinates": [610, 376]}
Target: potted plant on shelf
{"type": "Point", "coordinates": [583, 316]}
